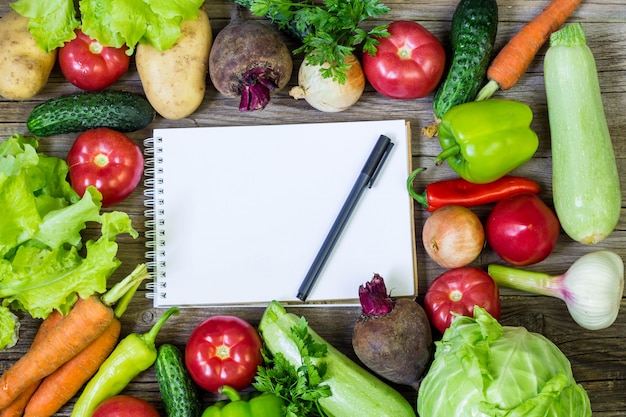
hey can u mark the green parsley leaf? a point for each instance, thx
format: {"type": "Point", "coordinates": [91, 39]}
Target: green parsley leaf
{"type": "Point", "coordinates": [329, 31]}
{"type": "Point", "coordinates": [300, 387]}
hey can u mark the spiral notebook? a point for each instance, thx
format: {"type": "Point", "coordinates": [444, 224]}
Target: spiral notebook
{"type": "Point", "coordinates": [237, 214]}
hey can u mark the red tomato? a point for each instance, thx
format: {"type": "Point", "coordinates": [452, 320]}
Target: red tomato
{"type": "Point", "coordinates": [522, 229]}
{"type": "Point", "coordinates": [108, 160]}
{"type": "Point", "coordinates": [223, 350]}
{"type": "Point", "coordinates": [89, 65]}
{"type": "Point", "coordinates": [408, 64]}
{"type": "Point", "coordinates": [125, 406]}
{"type": "Point", "coordinates": [458, 290]}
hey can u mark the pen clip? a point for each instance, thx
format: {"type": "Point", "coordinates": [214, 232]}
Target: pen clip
{"type": "Point", "coordinates": [380, 164]}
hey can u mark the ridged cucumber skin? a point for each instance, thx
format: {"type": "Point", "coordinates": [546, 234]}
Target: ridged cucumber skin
{"type": "Point", "coordinates": [472, 38]}
{"type": "Point", "coordinates": [123, 111]}
{"type": "Point", "coordinates": [179, 393]}
{"type": "Point", "coordinates": [585, 180]}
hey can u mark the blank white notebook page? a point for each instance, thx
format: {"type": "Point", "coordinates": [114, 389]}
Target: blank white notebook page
{"type": "Point", "coordinates": [241, 212]}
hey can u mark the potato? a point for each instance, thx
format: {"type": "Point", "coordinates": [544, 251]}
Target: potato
{"type": "Point", "coordinates": [174, 80]}
{"type": "Point", "coordinates": [24, 66]}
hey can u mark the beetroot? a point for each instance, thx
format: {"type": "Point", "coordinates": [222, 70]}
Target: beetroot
{"type": "Point", "coordinates": [249, 60]}
{"type": "Point", "coordinates": [392, 337]}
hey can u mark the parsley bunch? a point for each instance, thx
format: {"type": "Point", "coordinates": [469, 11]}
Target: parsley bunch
{"type": "Point", "coordinates": [329, 31]}
{"type": "Point", "coordinates": [299, 387]}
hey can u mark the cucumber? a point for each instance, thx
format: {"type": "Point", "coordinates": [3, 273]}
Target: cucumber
{"type": "Point", "coordinates": [119, 110]}
{"type": "Point", "coordinates": [472, 37]}
{"type": "Point", "coordinates": [585, 181]}
{"type": "Point", "coordinates": [180, 394]}
{"type": "Point", "coordinates": [354, 391]}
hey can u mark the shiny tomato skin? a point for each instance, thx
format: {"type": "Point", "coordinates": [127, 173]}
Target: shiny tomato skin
{"type": "Point", "coordinates": [125, 406]}
{"type": "Point", "coordinates": [522, 229]}
{"type": "Point", "coordinates": [223, 350]}
{"type": "Point", "coordinates": [107, 159]}
{"type": "Point", "coordinates": [408, 64]}
{"type": "Point", "coordinates": [90, 66]}
{"type": "Point", "coordinates": [458, 290]}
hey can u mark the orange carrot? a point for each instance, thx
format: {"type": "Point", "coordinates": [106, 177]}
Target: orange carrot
{"type": "Point", "coordinates": [60, 386]}
{"type": "Point", "coordinates": [517, 55]}
{"type": "Point", "coordinates": [82, 325]}
{"type": "Point", "coordinates": [16, 408]}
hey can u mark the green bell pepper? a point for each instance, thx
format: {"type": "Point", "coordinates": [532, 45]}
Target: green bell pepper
{"type": "Point", "coordinates": [263, 405]}
{"type": "Point", "coordinates": [484, 140]}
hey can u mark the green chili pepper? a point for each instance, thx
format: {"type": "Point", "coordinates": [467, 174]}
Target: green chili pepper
{"type": "Point", "coordinates": [133, 355]}
{"type": "Point", "coordinates": [484, 140]}
{"type": "Point", "coordinates": [264, 405]}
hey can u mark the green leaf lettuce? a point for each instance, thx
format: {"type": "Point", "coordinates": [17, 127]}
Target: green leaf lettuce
{"type": "Point", "coordinates": [484, 369]}
{"type": "Point", "coordinates": [44, 262]}
{"type": "Point", "coordinates": [112, 22]}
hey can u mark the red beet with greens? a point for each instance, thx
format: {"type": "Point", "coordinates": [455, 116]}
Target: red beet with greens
{"type": "Point", "coordinates": [248, 59]}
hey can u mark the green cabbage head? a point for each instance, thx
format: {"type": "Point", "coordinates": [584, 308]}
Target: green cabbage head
{"type": "Point", "coordinates": [484, 369]}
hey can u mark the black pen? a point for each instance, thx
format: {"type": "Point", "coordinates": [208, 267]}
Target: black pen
{"type": "Point", "coordinates": [365, 180]}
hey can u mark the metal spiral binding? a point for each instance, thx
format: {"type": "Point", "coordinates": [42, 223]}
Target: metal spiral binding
{"type": "Point", "coordinates": [154, 202]}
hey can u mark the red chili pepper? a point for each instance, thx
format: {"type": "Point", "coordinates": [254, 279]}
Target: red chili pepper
{"type": "Point", "coordinates": [464, 193]}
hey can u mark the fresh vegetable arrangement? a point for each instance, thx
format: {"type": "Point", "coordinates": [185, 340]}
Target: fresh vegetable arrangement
{"type": "Point", "coordinates": [289, 369]}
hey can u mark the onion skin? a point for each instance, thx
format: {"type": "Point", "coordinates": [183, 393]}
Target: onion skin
{"type": "Point", "coordinates": [453, 236]}
{"type": "Point", "coordinates": [325, 94]}
{"type": "Point", "coordinates": [396, 345]}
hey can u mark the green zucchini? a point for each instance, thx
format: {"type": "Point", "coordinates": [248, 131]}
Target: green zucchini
{"type": "Point", "coordinates": [180, 394]}
{"type": "Point", "coordinates": [119, 110]}
{"type": "Point", "coordinates": [472, 37]}
{"type": "Point", "coordinates": [585, 182]}
{"type": "Point", "coordinates": [354, 391]}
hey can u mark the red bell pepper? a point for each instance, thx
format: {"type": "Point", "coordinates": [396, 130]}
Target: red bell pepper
{"type": "Point", "coordinates": [461, 192]}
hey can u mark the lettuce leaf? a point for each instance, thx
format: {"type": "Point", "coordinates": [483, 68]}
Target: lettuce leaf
{"type": "Point", "coordinates": [112, 22]}
{"type": "Point", "coordinates": [43, 266]}
{"type": "Point", "coordinates": [52, 22]}
{"type": "Point", "coordinates": [9, 328]}
{"type": "Point", "coordinates": [483, 369]}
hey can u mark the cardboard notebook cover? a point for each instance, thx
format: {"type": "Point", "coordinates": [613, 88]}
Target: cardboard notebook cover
{"type": "Point", "coordinates": [236, 215]}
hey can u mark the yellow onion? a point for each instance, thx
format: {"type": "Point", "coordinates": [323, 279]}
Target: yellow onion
{"type": "Point", "coordinates": [327, 94]}
{"type": "Point", "coordinates": [453, 236]}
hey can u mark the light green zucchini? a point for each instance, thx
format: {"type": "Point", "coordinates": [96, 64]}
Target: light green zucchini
{"type": "Point", "coordinates": [354, 391]}
{"type": "Point", "coordinates": [585, 182]}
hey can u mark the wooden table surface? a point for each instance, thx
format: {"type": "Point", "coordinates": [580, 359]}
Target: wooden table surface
{"type": "Point", "coordinates": [598, 357]}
